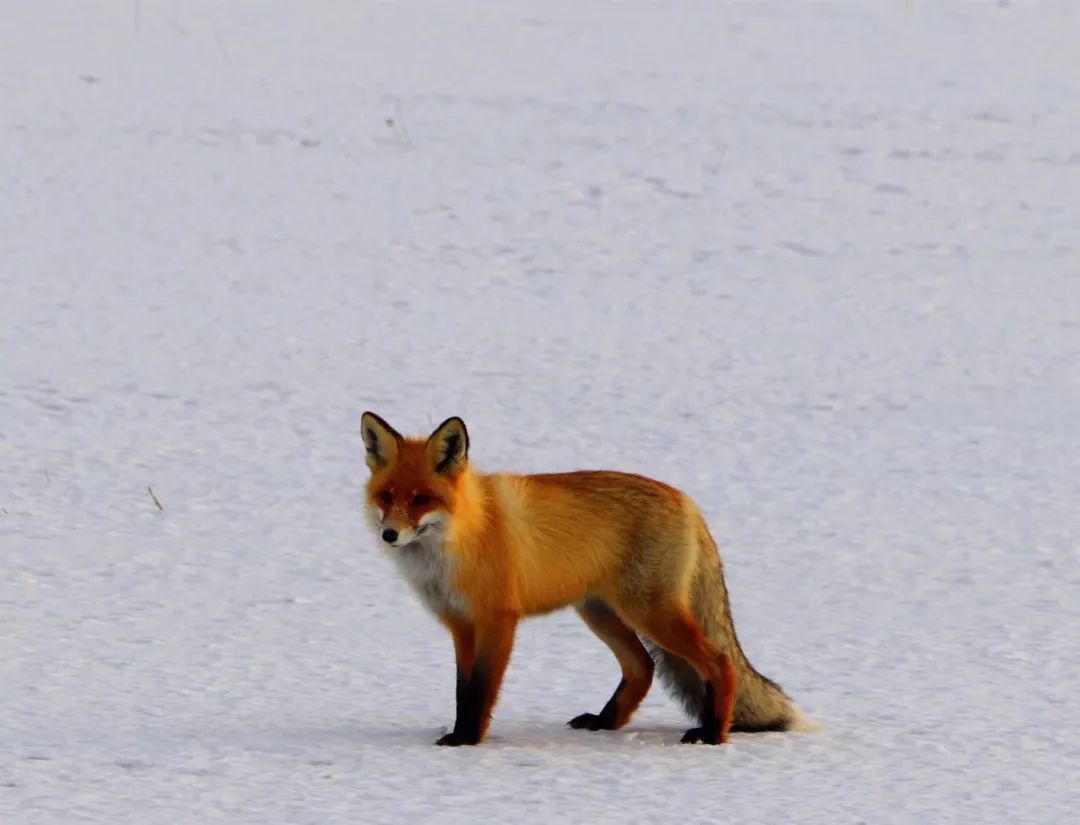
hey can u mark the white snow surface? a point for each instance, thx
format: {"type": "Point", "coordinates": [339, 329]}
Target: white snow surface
{"type": "Point", "coordinates": [817, 264]}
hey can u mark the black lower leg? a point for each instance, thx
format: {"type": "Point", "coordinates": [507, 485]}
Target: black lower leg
{"type": "Point", "coordinates": [471, 697]}
{"type": "Point", "coordinates": [461, 695]}
{"type": "Point", "coordinates": [709, 731]}
{"type": "Point", "coordinates": [605, 719]}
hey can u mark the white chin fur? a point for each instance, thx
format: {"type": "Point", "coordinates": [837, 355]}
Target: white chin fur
{"type": "Point", "coordinates": [433, 523]}
{"type": "Point", "coordinates": [405, 537]}
{"type": "Point", "coordinates": [429, 531]}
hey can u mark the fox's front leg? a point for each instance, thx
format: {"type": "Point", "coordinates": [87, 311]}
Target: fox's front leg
{"type": "Point", "coordinates": [464, 634]}
{"type": "Point", "coordinates": [490, 641]}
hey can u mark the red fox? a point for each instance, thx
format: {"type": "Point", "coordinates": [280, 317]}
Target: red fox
{"type": "Point", "coordinates": [632, 555]}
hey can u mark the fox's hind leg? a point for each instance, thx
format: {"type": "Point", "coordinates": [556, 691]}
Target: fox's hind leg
{"type": "Point", "coordinates": [637, 667]}
{"type": "Point", "coordinates": [676, 630]}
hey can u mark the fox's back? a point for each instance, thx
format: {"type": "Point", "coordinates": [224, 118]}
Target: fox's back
{"type": "Point", "coordinates": [603, 495]}
{"type": "Point", "coordinates": [592, 526]}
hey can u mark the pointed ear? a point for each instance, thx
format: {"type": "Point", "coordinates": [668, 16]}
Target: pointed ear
{"type": "Point", "coordinates": [448, 447]}
{"type": "Point", "coordinates": [381, 440]}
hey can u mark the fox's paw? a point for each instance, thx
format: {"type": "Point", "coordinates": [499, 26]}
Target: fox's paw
{"type": "Point", "coordinates": [703, 735]}
{"type": "Point", "coordinates": [453, 740]}
{"type": "Point", "coordinates": [591, 721]}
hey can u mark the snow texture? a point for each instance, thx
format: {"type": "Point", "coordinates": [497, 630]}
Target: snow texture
{"type": "Point", "coordinates": [815, 263]}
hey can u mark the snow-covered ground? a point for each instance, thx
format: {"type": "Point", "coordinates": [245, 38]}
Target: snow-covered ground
{"type": "Point", "coordinates": [816, 263]}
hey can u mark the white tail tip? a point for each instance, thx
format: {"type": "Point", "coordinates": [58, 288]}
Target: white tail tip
{"type": "Point", "coordinates": [803, 723]}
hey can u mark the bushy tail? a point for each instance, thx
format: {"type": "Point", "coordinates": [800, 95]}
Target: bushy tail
{"type": "Point", "coordinates": [760, 703]}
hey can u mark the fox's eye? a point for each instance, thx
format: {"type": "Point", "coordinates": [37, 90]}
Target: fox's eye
{"type": "Point", "coordinates": [421, 499]}
{"type": "Point", "coordinates": [386, 498]}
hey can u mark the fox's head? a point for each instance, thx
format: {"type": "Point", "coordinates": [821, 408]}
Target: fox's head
{"type": "Point", "coordinates": [413, 480]}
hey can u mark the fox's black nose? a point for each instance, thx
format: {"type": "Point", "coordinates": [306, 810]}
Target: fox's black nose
{"type": "Point", "coordinates": [389, 535]}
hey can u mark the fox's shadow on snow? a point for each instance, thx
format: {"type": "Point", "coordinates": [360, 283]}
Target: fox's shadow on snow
{"type": "Point", "coordinates": [522, 734]}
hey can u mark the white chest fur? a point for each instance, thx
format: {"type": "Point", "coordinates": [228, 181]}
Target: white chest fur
{"type": "Point", "coordinates": [430, 573]}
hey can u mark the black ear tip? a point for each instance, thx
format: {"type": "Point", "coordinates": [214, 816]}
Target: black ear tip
{"type": "Point", "coordinates": [453, 434]}
{"type": "Point", "coordinates": [456, 419]}
{"type": "Point", "coordinates": [369, 418]}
